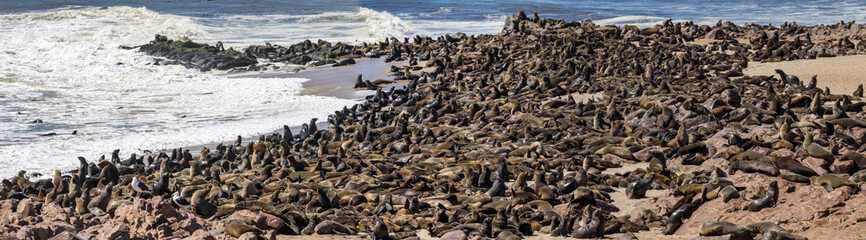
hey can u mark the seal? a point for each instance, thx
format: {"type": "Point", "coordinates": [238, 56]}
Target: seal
{"type": "Point", "coordinates": [793, 165]}
{"type": "Point", "coordinates": [859, 91]}
{"type": "Point", "coordinates": [765, 227]}
{"type": "Point", "coordinates": [100, 202]}
{"type": "Point", "coordinates": [359, 82]}
{"type": "Point", "coordinates": [593, 229]}
{"type": "Point", "coordinates": [562, 228]}
{"type": "Point", "coordinates": [768, 200]}
{"type": "Point", "coordinates": [832, 181]}
{"type": "Point", "coordinates": [380, 231]}
{"type": "Point", "coordinates": [637, 189]}
{"type": "Point", "coordinates": [724, 228]}
{"type": "Point", "coordinates": [788, 79]}
{"type": "Point", "coordinates": [817, 151]}
{"type": "Point", "coordinates": [202, 206]}
{"type": "Point", "coordinates": [753, 166]}
{"type": "Point", "coordinates": [617, 151]}
{"type": "Point", "coordinates": [729, 192]}
{"type": "Point", "coordinates": [238, 227]}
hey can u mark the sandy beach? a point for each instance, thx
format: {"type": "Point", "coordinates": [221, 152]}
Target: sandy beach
{"type": "Point", "coordinates": [841, 74]}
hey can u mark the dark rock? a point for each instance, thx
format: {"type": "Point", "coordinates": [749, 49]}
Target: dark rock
{"type": "Point", "coordinates": [195, 55]}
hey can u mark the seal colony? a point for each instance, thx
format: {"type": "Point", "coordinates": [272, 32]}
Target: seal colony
{"type": "Point", "coordinates": [496, 139]}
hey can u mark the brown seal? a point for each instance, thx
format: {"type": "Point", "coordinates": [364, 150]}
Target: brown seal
{"type": "Point", "coordinates": [724, 228]}
{"type": "Point", "coordinates": [768, 200]}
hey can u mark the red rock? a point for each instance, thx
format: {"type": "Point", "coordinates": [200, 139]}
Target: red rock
{"type": "Point", "coordinates": [767, 119]}
{"type": "Point", "coordinates": [816, 164]}
{"type": "Point", "coordinates": [695, 121]}
{"type": "Point", "coordinates": [4, 193]}
{"type": "Point", "coordinates": [562, 209]}
{"type": "Point", "coordinates": [804, 206]}
{"type": "Point", "coordinates": [269, 235]}
{"type": "Point", "coordinates": [711, 164]}
{"type": "Point", "coordinates": [738, 114]}
{"type": "Point", "coordinates": [722, 237]}
{"type": "Point", "coordinates": [272, 222]}
{"type": "Point", "coordinates": [615, 160]}
{"type": "Point", "coordinates": [25, 208]}
{"type": "Point", "coordinates": [249, 215]}
{"type": "Point", "coordinates": [716, 33]}
{"type": "Point", "coordinates": [52, 211]}
{"type": "Point", "coordinates": [454, 235]}
{"type": "Point", "coordinates": [844, 167]}
{"type": "Point", "coordinates": [33, 232]}
{"type": "Point", "coordinates": [660, 205]}
{"type": "Point", "coordinates": [187, 226]}
{"type": "Point", "coordinates": [66, 236]}
{"type": "Point", "coordinates": [626, 236]}
{"type": "Point", "coordinates": [248, 236]}
{"type": "Point", "coordinates": [731, 96]}
{"type": "Point", "coordinates": [56, 227]}
{"type": "Point", "coordinates": [782, 153]}
{"type": "Point", "coordinates": [717, 142]}
{"type": "Point", "coordinates": [115, 232]}
{"type": "Point", "coordinates": [201, 234]}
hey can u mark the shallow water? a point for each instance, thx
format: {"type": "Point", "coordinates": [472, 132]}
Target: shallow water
{"type": "Point", "coordinates": [60, 62]}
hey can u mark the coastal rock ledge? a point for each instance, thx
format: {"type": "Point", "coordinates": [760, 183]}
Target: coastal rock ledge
{"type": "Point", "coordinates": [196, 55]}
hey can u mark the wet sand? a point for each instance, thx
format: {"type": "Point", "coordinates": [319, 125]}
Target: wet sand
{"type": "Point", "coordinates": [324, 81]}
{"type": "Point", "coordinates": [335, 81]}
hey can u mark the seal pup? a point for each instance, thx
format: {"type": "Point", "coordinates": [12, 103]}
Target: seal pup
{"type": "Point", "coordinates": [684, 211]}
{"type": "Point", "coordinates": [813, 83]}
{"type": "Point", "coordinates": [593, 229]}
{"type": "Point", "coordinates": [787, 79]}
{"type": "Point", "coordinates": [637, 189]}
{"type": "Point", "coordinates": [768, 200]}
{"type": "Point", "coordinates": [161, 186]}
{"type": "Point", "coordinates": [563, 227]}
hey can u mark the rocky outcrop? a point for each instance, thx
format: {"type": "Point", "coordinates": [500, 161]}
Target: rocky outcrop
{"type": "Point", "coordinates": [196, 55]}
{"type": "Point", "coordinates": [306, 52]}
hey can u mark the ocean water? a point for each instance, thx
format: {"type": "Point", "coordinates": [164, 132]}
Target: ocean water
{"type": "Point", "coordinates": [60, 62]}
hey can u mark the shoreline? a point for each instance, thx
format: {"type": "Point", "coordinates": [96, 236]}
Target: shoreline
{"type": "Point", "coordinates": [497, 141]}
{"type": "Point", "coordinates": [326, 81]}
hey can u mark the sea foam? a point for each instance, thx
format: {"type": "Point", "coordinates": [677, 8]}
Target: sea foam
{"type": "Point", "coordinates": [66, 68]}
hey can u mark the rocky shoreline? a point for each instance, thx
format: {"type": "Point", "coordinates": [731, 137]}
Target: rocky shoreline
{"type": "Point", "coordinates": [498, 137]}
{"type": "Point", "coordinates": [206, 57]}
{"type": "Point", "coordinates": [196, 55]}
